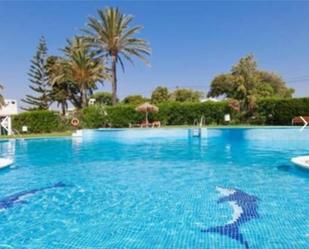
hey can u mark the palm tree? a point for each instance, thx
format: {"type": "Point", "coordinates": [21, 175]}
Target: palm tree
{"type": "Point", "coordinates": [85, 70]}
{"type": "Point", "coordinates": [61, 95]}
{"type": "Point", "coordinates": [63, 89]}
{"type": "Point", "coordinates": [111, 37]}
{"type": "Point", "coordinates": [80, 68]}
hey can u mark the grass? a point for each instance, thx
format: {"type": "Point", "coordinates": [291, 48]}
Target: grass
{"type": "Point", "coordinates": [40, 135]}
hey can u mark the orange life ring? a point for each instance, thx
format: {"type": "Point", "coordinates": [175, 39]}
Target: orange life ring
{"type": "Point", "coordinates": [74, 122]}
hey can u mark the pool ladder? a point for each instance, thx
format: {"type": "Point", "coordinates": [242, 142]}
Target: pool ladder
{"type": "Point", "coordinates": [197, 132]}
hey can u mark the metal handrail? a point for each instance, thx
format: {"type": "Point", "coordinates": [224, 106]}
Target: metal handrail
{"type": "Point", "coordinates": [195, 122]}
{"type": "Point", "coordinates": [202, 121]}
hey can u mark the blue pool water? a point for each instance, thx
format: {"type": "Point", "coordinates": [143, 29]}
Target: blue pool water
{"type": "Point", "coordinates": [156, 188]}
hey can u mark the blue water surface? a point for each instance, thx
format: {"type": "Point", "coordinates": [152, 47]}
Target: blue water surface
{"type": "Point", "coordinates": [156, 188]}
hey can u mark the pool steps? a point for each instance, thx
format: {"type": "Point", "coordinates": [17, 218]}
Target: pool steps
{"type": "Point", "coordinates": [195, 132]}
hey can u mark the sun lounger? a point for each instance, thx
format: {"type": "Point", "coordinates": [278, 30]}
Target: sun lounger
{"type": "Point", "coordinates": [154, 124]}
{"type": "Point", "coordinates": [299, 121]}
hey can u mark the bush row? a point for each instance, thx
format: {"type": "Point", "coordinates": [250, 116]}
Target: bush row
{"type": "Point", "coordinates": [39, 122]}
{"type": "Point", "coordinates": [176, 113]}
{"type": "Point", "coordinates": [268, 112]}
{"type": "Point", "coordinates": [171, 113]}
{"type": "Point", "coordinates": [281, 111]}
{"type": "Point", "coordinates": [101, 116]}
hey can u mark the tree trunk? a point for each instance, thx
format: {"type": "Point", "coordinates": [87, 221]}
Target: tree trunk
{"type": "Point", "coordinates": [75, 100]}
{"type": "Point", "coordinates": [83, 96]}
{"type": "Point", "coordinates": [63, 108]}
{"type": "Point", "coordinates": [85, 100]}
{"type": "Point", "coordinates": [114, 80]}
{"type": "Point", "coordinates": [147, 122]}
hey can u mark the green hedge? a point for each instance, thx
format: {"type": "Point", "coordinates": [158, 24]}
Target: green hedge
{"type": "Point", "coordinates": [123, 115]}
{"type": "Point", "coordinates": [39, 122]}
{"type": "Point", "coordinates": [102, 116]}
{"type": "Point", "coordinates": [93, 117]}
{"type": "Point", "coordinates": [281, 111]}
{"type": "Point", "coordinates": [268, 111]}
{"type": "Point", "coordinates": [176, 113]}
{"type": "Point", "coordinates": [171, 113]}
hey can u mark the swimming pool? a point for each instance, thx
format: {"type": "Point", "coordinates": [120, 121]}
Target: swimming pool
{"type": "Point", "coordinates": [156, 188]}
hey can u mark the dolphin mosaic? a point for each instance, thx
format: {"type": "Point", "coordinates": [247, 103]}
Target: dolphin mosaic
{"type": "Point", "coordinates": [245, 209]}
{"type": "Point", "coordinates": [11, 200]}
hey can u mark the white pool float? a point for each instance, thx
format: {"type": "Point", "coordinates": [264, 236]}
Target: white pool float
{"type": "Point", "coordinates": [5, 162]}
{"type": "Point", "coordinates": [301, 161]}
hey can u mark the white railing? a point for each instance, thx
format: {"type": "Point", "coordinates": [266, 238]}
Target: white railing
{"type": "Point", "coordinates": [305, 123]}
{"type": "Point", "coordinates": [200, 122]}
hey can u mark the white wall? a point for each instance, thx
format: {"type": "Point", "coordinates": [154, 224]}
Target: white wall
{"type": "Point", "coordinates": [10, 108]}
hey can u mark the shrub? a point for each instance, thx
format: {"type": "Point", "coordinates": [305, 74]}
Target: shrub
{"type": "Point", "coordinates": [39, 121]}
{"type": "Point", "coordinates": [268, 111]}
{"type": "Point", "coordinates": [171, 113]}
{"type": "Point", "coordinates": [134, 100]}
{"type": "Point", "coordinates": [281, 111]}
{"type": "Point", "coordinates": [176, 113]}
{"type": "Point", "coordinates": [123, 115]}
{"type": "Point", "coordinates": [184, 94]}
{"type": "Point", "coordinates": [103, 98]}
{"type": "Point", "coordinates": [160, 95]}
{"type": "Point", "coordinates": [94, 116]}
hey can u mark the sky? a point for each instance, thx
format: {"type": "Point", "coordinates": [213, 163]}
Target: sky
{"type": "Point", "coordinates": [191, 41]}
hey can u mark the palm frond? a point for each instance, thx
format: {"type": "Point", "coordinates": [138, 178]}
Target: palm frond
{"type": "Point", "coordinates": [110, 34]}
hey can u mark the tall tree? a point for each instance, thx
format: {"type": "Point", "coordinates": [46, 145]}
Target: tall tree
{"type": "Point", "coordinates": [38, 80]}
{"type": "Point", "coordinates": [134, 100]}
{"type": "Point", "coordinates": [184, 95]}
{"type": "Point", "coordinates": [159, 95]}
{"type": "Point", "coordinates": [104, 98]}
{"type": "Point", "coordinates": [63, 89]}
{"type": "Point", "coordinates": [80, 69]}
{"type": "Point", "coordinates": [246, 83]}
{"type": "Point", "coordinates": [112, 38]}
{"type": "Point", "coordinates": [61, 94]}
{"type": "Point", "coordinates": [276, 83]}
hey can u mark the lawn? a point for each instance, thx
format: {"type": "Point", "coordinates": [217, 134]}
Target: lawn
{"type": "Point", "coordinates": [40, 135]}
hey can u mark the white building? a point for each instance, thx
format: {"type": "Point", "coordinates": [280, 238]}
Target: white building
{"type": "Point", "coordinates": [209, 99]}
{"type": "Point", "coordinates": [6, 112]}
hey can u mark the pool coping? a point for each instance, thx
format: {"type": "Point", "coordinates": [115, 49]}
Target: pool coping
{"type": "Point", "coordinates": [69, 135]}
